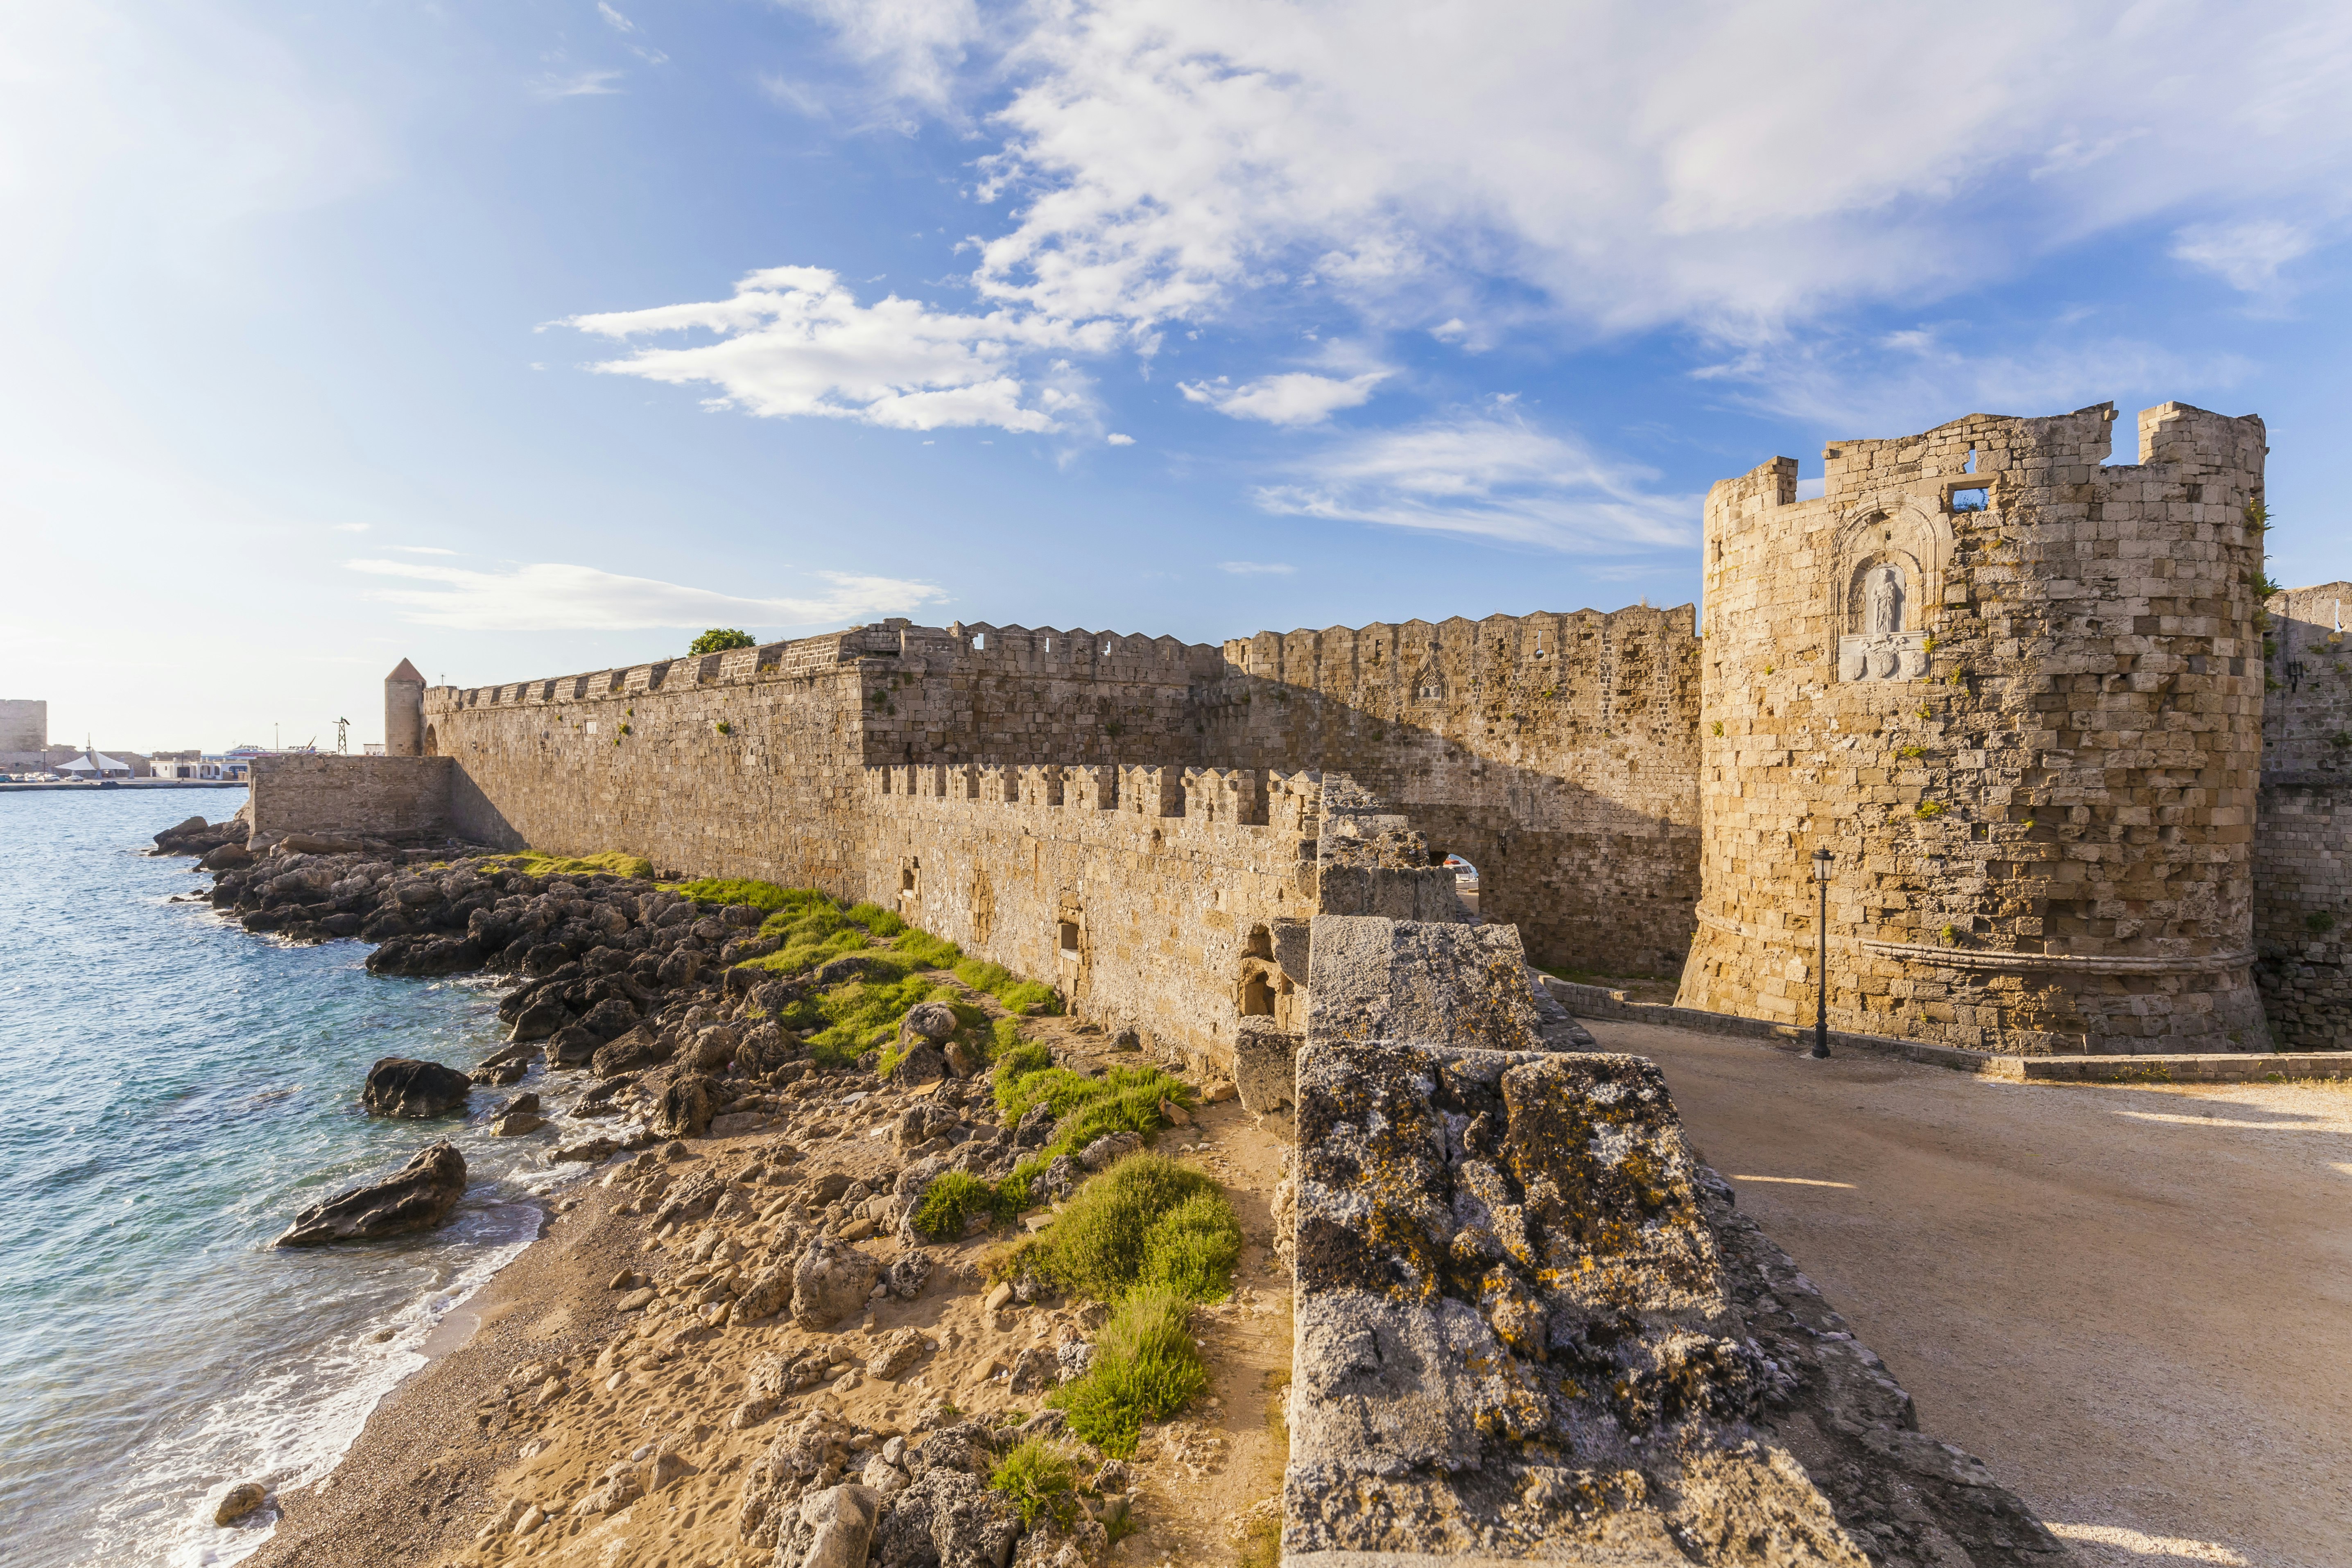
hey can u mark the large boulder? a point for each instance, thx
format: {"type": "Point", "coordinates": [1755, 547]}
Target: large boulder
{"type": "Point", "coordinates": [687, 1106]}
{"type": "Point", "coordinates": [834, 1528]}
{"type": "Point", "coordinates": [640, 1048]}
{"type": "Point", "coordinates": [830, 1280]}
{"type": "Point", "coordinates": [571, 1045]}
{"type": "Point", "coordinates": [932, 1021]}
{"type": "Point", "coordinates": [611, 1018]}
{"type": "Point", "coordinates": [921, 1064]}
{"type": "Point", "coordinates": [949, 1518]}
{"type": "Point", "coordinates": [403, 1086]}
{"type": "Point", "coordinates": [418, 1196]}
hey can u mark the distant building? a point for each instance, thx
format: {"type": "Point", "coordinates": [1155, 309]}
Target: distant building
{"type": "Point", "coordinates": [23, 735]}
{"type": "Point", "coordinates": [195, 766]}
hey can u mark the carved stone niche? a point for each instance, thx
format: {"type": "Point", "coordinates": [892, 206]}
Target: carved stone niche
{"type": "Point", "coordinates": [1883, 640]}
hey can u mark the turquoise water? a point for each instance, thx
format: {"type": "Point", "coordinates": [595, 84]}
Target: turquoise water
{"type": "Point", "coordinates": [172, 1090]}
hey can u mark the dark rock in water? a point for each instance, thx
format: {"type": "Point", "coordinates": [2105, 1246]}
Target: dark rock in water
{"type": "Point", "coordinates": [383, 925]}
{"type": "Point", "coordinates": [346, 925]}
{"type": "Point", "coordinates": [545, 958]}
{"type": "Point", "coordinates": [165, 838]}
{"type": "Point", "coordinates": [541, 1019]}
{"type": "Point", "coordinates": [402, 1086]}
{"type": "Point", "coordinates": [687, 1106]}
{"type": "Point", "coordinates": [418, 1196]}
{"type": "Point", "coordinates": [506, 1066]}
{"type": "Point", "coordinates": [611, 1018]}
{"type": "Point", "coordinates": [227, 856]}
{"type": "Point", "coordinates": [587, 1151]}
{"type": "Point", "coordinates": [424, 955]}
{"type": "Point", "coordinates": [571, 1045]}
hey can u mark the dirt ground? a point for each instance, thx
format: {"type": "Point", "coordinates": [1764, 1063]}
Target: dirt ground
{"type": "Point", "coordinates": [2134, 1303]}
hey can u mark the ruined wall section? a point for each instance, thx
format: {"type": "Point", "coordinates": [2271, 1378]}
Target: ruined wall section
{"type": "Point", "coordinates": [1020, 696]}
{"type": "Point", "coordinates": [1556, 752]}
{"type": "Point", "coordinates": [1170, 902]}
{"type": "Point", "coordinates": [743, 763]}
{"type": "Point", "coordinates": [2016, 692]}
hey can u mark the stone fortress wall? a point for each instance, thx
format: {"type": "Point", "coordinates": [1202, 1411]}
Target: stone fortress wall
{"type": "Point", "coordinates": [23, 726]}
{"type": "Point", "coordinates": [2017, 690]}
{"type": "Point", "coordinates": [2017, 693]}
{"type": "Point", "coordinates": [2303, 848]}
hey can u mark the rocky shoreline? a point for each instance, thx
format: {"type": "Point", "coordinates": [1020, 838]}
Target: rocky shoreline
{"type": "Point", "coordinates": [773, 1188]}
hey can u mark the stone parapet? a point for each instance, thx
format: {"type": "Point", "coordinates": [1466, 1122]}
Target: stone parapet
{"type": "Point", "coordinates": [1530, 1326]}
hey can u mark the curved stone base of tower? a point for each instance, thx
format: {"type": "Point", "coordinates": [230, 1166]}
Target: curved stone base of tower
{"type": "Point", "coordinates": [2013, 1004]}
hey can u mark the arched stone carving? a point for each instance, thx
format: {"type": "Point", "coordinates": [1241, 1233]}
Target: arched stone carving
{"type": "Point", "coordinates": [1893, 564]}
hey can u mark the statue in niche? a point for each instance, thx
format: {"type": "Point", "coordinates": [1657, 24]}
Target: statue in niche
{"type": "Point", "coordinates": [1884, 615]}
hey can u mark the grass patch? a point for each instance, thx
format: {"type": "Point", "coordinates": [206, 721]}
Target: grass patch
{"type": "Point", "coordinates": [876, 918]}
{"type": "Point", "coordinates": [736, 890]}
{"type": "Point", "coordinates": [1038, 1482]}
{"type": "Point", "coordinates": [864, 1014]}
{"type": "Point", "coordinates": [610, 863]}
{"type": "Point", "coordinates": [1146, 1368]}
{"type": "Point", "coordinates": [1146, 1223]}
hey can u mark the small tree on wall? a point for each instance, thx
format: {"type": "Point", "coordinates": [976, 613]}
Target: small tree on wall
{"type": "Point", "coordinates": [718, 639]}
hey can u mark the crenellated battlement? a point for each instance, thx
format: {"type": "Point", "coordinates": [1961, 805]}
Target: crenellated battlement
{"type": "Point", "coordinates": [1285, 802]}
{"type": "Point", "coordinates": [1541, 644]}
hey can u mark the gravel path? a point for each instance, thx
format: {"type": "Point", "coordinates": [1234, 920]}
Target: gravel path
{"type": "Point", "coordinates": [2134, 1303]}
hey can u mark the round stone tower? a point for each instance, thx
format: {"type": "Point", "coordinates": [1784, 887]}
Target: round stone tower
{"type": "Point", "coordinates": [404, 712]}
{"type": "Point", "coordinates": [2017, 694]}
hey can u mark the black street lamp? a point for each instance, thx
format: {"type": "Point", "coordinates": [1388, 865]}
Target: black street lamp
{"type": "Point", "coordinates": [1822, 971]}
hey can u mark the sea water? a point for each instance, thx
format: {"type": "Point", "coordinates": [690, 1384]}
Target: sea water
{"type": "Point", "coordinates": [173, 1089]}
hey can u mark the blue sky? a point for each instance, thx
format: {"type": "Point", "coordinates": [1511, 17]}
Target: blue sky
{"type": "Point", "coordinates": [531, 338]}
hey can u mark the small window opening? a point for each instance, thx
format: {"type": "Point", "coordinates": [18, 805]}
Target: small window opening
{"type": "Point", "coordinates": [1257, 997]}
{"type": "Point", "coordinates": [1049, 645]}
{"type": "Point", "coordinates": [1260, 944]}
{"type": "Point", "coordinates": [979, 640]}
{"type": "Point", "coordinates": [1969, 500]}
{"type": "Point", "coordinates": [1970, 466]}
{"type": "Point", "coordinates": [1069, 938]}
{"type": "Point", "coordinates": [907, 881]}
{"type": "Point", "coordinates": [1466, 880]}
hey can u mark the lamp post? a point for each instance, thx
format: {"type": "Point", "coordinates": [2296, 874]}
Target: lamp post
{"type": "Point", "coordinates": [1822, 970]}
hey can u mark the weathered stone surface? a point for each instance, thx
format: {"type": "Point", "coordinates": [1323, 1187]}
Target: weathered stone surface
{"type": "Point", "coordinates": [834, 1528]}
{"type": "Point", "coordinates": [947, 1518]}
{"type": "Point", "coordinates": [932, 1021]}
{"type": "Point", "coordinates": [241, 1499]}
{"type": "Point", "coordinates": [1380, 979]}
{"type": "Point", "coordinates": [686, 1106]}
{"type": "Point", "coordinates": [1519, 1335]}
{"type": "Point", "coordinates": [418, 1196]}
{"type": "Point", "coordinates": [1265, 1061]}
{"type": "Point", "coordinates": [831, 1281]}
{"type": "Point", "coordinates": [402, 1086]}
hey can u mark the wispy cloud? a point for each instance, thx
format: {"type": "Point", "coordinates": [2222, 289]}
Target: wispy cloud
{"type": "Point", "coordinates": [613, 19]}
{"type": "Point", "coordinates": [555, 596]}
{"type": "Point", "coordinates": [1296, 397]}
{"type": "Point", "coordinates": [1492, 475]}
{"type": "Point", "coordinates": [794, 340]}
{"type": "Point", "coordinates": [1257, 568]}
{"type": "Point", "coordinates": [578, 84]}
{"type": "Point", "coordinates": [2245, 256]}
{"type": "Point", "coordinates": [422, 550]}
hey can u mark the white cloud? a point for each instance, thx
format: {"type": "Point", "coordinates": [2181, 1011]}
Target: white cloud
{"type": "Point", "coordinates": [613, 19]}
{"type": "Point", "coordinates": [422, 550]}
{"type": "Point", "coordinates": [1493, 476]}
{"type": "Point", "coordinates": [553, 597]}
{"type": "Point", "coordinates": [1166, 157]}
{"type": "Point", "coordinates": [579, 84]}
{"type": "Point", "coordinates": [1256, 568]}
{"type": "Point", "coordinates": [1296, 397]}
{"type": "Point", "coordinates": [793, 341]}
{"type": "Point", "coordinates": [1116, 439]}
{"type": "Point", "coordinates": [2246, 256]}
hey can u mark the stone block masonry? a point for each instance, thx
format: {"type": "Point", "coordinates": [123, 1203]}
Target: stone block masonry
{"type": "Point", "coordinates": [338, 795]}
{"type": "Point", "coordinates": [2017, 693]}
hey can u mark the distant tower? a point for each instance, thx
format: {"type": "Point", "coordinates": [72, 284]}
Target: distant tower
{"type": "Point", "coordinates": [404, 712]}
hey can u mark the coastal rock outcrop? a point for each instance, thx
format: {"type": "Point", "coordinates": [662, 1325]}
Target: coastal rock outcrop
{"type": "Point", "coordinates": [403, 1086]}
{"type": "Point", "coordinates": [830, 1280]}
{"type": "Point", "coordinates": [418, 1196]}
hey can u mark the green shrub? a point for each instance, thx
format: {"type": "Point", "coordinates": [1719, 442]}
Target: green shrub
{"type": "Point", "coordinates": [1038, 1481]}
{"type": "Point", "coordinates": [1008, 1038]}
{"type": "Point", "coordinates": [718, 639]}
{"type": "Point", "coordinates": [950, 1201]}
{"type": "Point", "coordinates": [1148, 1221]}
{"type": "Point", "coordinates": [1146, 1368]}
